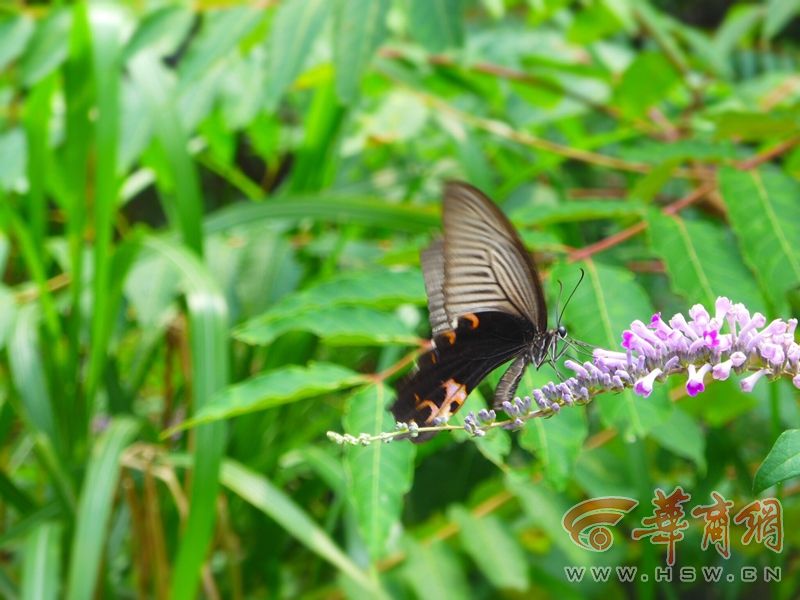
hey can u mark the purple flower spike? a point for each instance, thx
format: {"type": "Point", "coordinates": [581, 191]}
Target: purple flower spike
{"type": "Point", "coordinates": [627, 336]}
{"type": "Point", "coordinates": [695, 385]}
{"type": "Point", "coordinates": [748, 383]}
{"type": "Point", "coordinates": [773, 353]}
{"type": "Point", "coordinates": [738, 359]}
{"type": "Point", "coordinates": [644, 385]}
{"type": "Point", "coordinates": [730, 342]}
{"type": "Point", "coordinates": [722, 371]}
{"type": "Point", "coordinates": [721, 308]}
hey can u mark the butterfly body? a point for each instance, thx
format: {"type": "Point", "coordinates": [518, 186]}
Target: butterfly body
{"type": "Point", "coordinates": [486, 307]}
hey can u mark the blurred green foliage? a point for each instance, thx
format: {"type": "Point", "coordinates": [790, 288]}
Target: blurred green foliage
{"type": "Point", "coordinates": [211, 216]}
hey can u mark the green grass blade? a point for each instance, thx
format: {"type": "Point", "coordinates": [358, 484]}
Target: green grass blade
{"type": "Point", "coordinates": [276, 504]}
{"type": "Point", "coordinates": [94, 508]}
{"type": "Point", "coordinates": [359, 28]}
{"type": "Point", "coordinates": [41, 567]}
{"type": "Point", "coordinates": [181, 194]}
{"type": "Point", "coordinates": [296, 26]}
{"type": "Point", "coordinates": [208, 328]}
{"type": "Point", "coordinates": [106, 27]}
{"type": "Point", "coordinates": [328, 207]}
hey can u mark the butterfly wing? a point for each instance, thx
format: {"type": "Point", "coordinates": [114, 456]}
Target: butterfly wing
{"type": "Point", "coordinates": [486, 266]}
{"type": "Point", "coordinates": [459, 360]}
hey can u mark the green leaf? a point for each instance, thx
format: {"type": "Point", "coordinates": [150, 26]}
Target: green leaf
{"type": "Point", "coordinates": [748, 125]}
{"type": "Point", "coordinates": [41, 567]}
{"type": "Point", "coordinates": [13, 159]}
{"type": "Point", "coordinates": [15, 31]}
{"type": "Point", "coordinates": [681, 435]}
{"type": "Point", "coordinates": [646, 82]}
{"type": "Point", "coordinates": [8, 315]}
{"type": "Point", "coordinates": [106, 23]}
{"type": "Point", "coordinates": [48, 47]}
{"type": "Point", "coordinates": [702, 261]}
{"type": "Point", "coordinates": [568, 212]}
{"type": "Point", "coordinates": [279, 506]}
{"type": "Point", "coordinates": [208, 333]}
{"type": "Point", "coordinates": [434, 571]}
{"type": "Point", "coordinates": [161, 31]}
{"type": "Point", "coordinates": [777, 15]}
{"type": "Point", "coordinates": [556, 442]}
{"type": "Point", "coordinates": [297, 25]}
{"type": "Point", "coordinates": [340, 326]}
{"type": "Point", "coordinates": [222, 31]}
{"type": "Point", "coordinates": [180, 190]}
{"type": "Point", "coordinates": [336, 208]}
{"type": "Point", "coordinates": [657, 152]}
{"type": "Point", "coordinates": [94, 507]}
{"type": "Point", "coordinates": [378, 475]}
{"type": "Point", "coordinates": [274, 388]}
{"type": "Point", "coordinates": [602, 308]}
{"type": "Point", "coordinates": [765, 215]}
{"type": "Point", "coordinates": [493, 549]}
{"type": "Point", "coordinates": [546, 509]}
{"type": "Point", "coordinates": [359, 29]}
{"type": "Point", "coordinates": [436, 24]}
{"type": "Point", "coordinates": [28, 375]}
{"type": "Point", "coordinates": [384, 288]}
{"type": "Point", "coordinates": [782, 462]}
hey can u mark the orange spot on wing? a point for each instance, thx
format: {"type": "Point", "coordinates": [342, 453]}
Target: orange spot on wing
{"type": "Point", "coordinates": [473, 320]}
{"type": "Point", "coordinates": [451, 337]}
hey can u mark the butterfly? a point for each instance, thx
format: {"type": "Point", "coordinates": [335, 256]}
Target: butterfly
{"type": "Point", "coordinates": [486, 307]}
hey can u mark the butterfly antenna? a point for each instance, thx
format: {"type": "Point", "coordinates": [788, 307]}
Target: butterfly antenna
{"type": "Point", "coordinates": [572, 293]}
{"type": "Point", "coordinates": [558, 300]}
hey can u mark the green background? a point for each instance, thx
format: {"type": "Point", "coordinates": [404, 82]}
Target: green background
{"type": "Point", "coordinates": [215, 212]}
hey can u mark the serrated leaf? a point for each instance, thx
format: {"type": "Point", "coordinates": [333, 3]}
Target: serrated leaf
{"type": "Point", "coordinates": [436, 24]}
{"type": "Point", "coordinates": [274, 388]}
{"type": "Point", "coordinates": [782, 462]}
{"type": "Point", "coordinates": [378, 475]}
{"type": "Point", "coordinates": [556, 442]}
{"type": "Point", "coordinates": [702, 261]}
{"type": "Point", "coordinates": [681, 435]}
{"type": "Point", "coordinates": [765, 215]}
{"type": "Point", "coordinates": [359, 29]}
{"type": "Point", "coordinates": [297, 25]}
{"type": "Point", "coordinates": [493, 549]}
{"type": "Point", "coordinates": [601, 309]}
{"type": "Point", "coordinates": [337, 325]}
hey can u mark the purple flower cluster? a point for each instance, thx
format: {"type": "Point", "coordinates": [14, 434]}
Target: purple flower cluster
{"type": "Point", "coordinates": [702, 347]}
{"type": "Point", "coordinates": [731, 340]}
